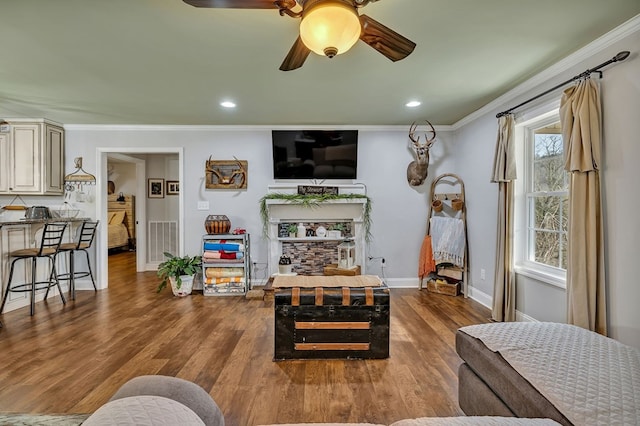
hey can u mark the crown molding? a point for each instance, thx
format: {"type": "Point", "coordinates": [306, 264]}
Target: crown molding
{"type": "Point", "coordinates": [596, 46]}
{"type": "Point", "coordinates": [235, 128]}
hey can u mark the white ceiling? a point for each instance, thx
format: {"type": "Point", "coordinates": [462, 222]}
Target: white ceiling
{"type": "Point", "coordinates": [165, 62]}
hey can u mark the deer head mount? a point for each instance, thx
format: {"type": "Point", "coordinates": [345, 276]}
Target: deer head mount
{"type": "Point", "coordinates": [417, 169]}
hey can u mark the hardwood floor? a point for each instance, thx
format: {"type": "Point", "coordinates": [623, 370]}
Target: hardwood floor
{"type": "Point", "coordinates": [71, 359]}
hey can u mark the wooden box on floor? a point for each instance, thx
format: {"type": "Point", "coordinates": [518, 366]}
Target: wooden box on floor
{"type": "Point", "coordinates": [324, 323]}
{"type": "Point", "coordinates": [332, 269]}
{"type": "Point", "coordinates": [443, 287]}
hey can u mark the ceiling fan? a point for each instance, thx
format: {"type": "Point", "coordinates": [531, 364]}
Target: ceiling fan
{"type": "Point", "coordinates": [328, 27]}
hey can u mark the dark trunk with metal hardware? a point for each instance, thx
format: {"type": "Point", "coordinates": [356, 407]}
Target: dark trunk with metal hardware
{"type": "Point", "coordinates": [325, 323]}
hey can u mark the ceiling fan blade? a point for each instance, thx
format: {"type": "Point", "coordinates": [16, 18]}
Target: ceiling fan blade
{"type": "Point", "coordinates": [385, 40]}
{"type": "Point", "coordinates": [233, 4]}
{"type": "Point", "coordinates": [296, 56]}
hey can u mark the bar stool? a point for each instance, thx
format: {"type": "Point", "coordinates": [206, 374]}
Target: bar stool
{"type": "Point", "coordinates": [51, 239]}
{"type": "Point", "coordinates": [86, 235]}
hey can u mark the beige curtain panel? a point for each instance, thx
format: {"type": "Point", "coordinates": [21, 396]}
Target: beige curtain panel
{"type": "Point", "coordinates": [580, 116]}
{"type": "Point", "coordinates": [504, 173]}
{"type": "Point", "coordinates": [504, 161]}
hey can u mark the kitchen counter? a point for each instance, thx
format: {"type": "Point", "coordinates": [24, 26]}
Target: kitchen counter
{"type": "Point", "coordinates": [18, 233]}
{"type": "Point", "coordinates": [41, 221]}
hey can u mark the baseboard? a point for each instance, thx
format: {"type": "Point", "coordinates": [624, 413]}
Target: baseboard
{"type": "Point", "coordinates": [522, 317]}
{"type": "Point", "coordinates": [483, 298]}
{"type": "Point", "coordinates": [81, 284]}
{"type": "Point", "coordinates": [402, 282]}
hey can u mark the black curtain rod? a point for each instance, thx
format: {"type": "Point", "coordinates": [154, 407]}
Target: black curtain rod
{"type": "Point", "coordinates": [619, 57]}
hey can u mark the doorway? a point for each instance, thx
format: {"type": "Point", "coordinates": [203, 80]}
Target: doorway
{"type": "Point", "coordinates": [142, 160]}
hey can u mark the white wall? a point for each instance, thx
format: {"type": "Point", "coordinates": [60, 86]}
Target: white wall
{"type": "Point", "coordinates": [620, 174]}
{"type": "Point", "coordinates": [161, 166]}
{"type": "Point", "coordinates": [399, 211]}
{"type": "Point", "coordinates": [123, 177]}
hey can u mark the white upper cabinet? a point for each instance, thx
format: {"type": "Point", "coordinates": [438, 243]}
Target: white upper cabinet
{"type": "Point", "coordinates": [4, 162]}
{"type": "Point", "coordinates": [32, 157]}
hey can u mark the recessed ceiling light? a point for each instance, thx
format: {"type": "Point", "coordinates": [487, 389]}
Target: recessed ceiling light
{"type": "Point", "coordinates": [228, 104]}
{"type": "Point", "coordinates": [413, 104]}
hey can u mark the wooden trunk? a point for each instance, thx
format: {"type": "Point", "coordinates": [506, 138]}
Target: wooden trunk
{"type": "Point", "coordinates": [322, 323]}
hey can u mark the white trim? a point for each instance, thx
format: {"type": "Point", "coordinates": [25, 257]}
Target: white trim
{"type": "Point", "coordinates": [239, 128]}
{"type": "Point", "coordinates": [482, 298]}
{"type": "Point", "coordinates": [522, 317]}
{"type": "Point", "coordinates": [32, 120]}
{"type": "Point", "coordinates": [402, 282]}
{"type": "Point", "coordinates": [531, 119]}
{"type": "Point", "coordinates": [599, 44]}
{"type": "Point", "coordinates": [541, 276]}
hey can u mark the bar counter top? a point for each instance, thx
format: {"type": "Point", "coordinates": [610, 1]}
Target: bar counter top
{"type": "Point", "coordinates": [41, 221]}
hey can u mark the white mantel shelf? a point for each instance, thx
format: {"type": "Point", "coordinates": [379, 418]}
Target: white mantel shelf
{"type": "Point", "coordinates": [310, 239]}
{"type": "Point", "coordinates": [354, 200]}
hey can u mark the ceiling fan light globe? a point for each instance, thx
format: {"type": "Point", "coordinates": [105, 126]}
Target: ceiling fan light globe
{"type": "Point", "coordinates": [330, 26]}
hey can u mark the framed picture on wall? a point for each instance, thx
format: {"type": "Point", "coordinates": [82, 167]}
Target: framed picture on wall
{"type": "Point", "coordinates": [173, 187]}
{"type": "Point", "coordinates": [155, 188]}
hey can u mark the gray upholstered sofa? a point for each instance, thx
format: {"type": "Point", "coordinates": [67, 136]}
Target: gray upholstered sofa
{"type": "Point", "coordinates": [162, 400]}
{"type": "Point", "coordinates": [158, 400]}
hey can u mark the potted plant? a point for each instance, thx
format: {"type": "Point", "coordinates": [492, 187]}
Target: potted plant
{"type": "Point", "coordinates": [335, 230]}
{"type": "Point", "coordinates": [179, 271]}
{"type": "Point", "coordinates": [292, 229]}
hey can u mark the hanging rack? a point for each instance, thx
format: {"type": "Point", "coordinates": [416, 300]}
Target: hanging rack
{"type": "Point", "coordinates": [12, 206]}
{"type": "Point", "coordinates": [80, 175]}
{"type": "Point", "coordinates": [621, 56]}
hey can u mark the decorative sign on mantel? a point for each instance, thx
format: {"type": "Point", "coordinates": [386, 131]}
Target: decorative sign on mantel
{"type": "Point", "coordinates": [317, 190]}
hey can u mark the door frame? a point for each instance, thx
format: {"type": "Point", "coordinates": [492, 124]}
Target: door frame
{"type": "Point", "coordinates": [141, 189]}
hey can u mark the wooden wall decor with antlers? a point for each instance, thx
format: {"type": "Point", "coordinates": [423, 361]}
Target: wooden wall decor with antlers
{"type": "Point", "coordinates": [226, 174]}
{"type": "Point", "coordinates": [418, 168]}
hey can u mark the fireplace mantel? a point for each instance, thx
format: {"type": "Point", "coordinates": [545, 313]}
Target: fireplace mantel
{"type": "Point", "coordinates": [332, 210]}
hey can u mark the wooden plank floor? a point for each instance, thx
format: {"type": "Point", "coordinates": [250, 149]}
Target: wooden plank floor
{"type": "Point", "coordinates": [71, 359]}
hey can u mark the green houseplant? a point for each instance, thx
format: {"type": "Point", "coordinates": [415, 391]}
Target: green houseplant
{"type": "Point", "coordinates": [176, 270]}
{"type": "Point", "coordinates": [292, 229]}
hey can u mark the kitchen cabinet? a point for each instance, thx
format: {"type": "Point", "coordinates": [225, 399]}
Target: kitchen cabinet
{"type": "Point", "coordinates": [4, 162]}
{"type": "Point", "coordinates": [32, 156]}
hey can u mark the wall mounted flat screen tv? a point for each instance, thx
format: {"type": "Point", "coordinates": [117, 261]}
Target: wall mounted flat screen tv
{"type": "Point", "coordinates": [315, 154]}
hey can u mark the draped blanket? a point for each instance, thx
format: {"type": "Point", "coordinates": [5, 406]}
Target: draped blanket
{"type": "Point", "coordinates": [448, 240]}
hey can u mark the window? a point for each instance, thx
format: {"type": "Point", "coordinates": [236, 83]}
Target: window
{"type": "Point", "coordinates": [543, 201]}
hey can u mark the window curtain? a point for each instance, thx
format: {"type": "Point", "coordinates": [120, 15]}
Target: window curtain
{"type": "Point", "coordinates": [504, 173]}
{"type": "Point", "coordinates": [580, 116]}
